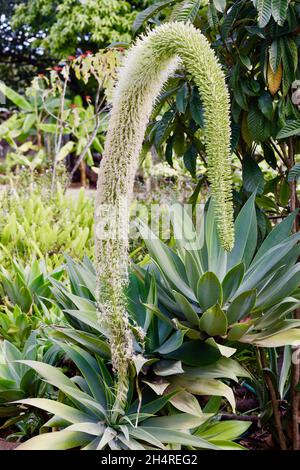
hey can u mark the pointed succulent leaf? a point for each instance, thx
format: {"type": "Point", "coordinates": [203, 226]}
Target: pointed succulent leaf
{"type": "Point", "coordinates": [279, 327]}
{"type": "Point", "coordinates": [285, 370]}
{"type": "Point", "coordinates": [290, 337]}
{"type": "Point", "coordinates": [203, 386]}
{"type": "Point", "coordinates": [66, 412]}
{"type": "Point", "coordinates": [224, 368]}
{"type": "Point", "coordinates": [186, 308]}
{"type": "Point", "coordinates": [225, 430]}
{"type": "Point", "coordinates": [280, 288]}
{"type": "Point", "coordinates": [156, 405]}
{"type": "Point", "coordinates": [214, 321]}
{"type": "Point", "coordinates": [173, 343]}
{"type": "Point", "coordinates": [185, 232]}
{"type": "Point", "coordinates": [275, 313]}
{"type": "Point", "coordinates": [87, 317]}
{"type": "Point", "coordinates": [209, 291]}
{"type": "Point", "coordinates": [176, 437]}
{"type": "Point", "coordinates": [216, 255]}
{"type": "Point", "coordinates": [89, 369]}
{"type": "Point", "coordinates": [267, 263]}
{"type": "Point", "coordinates": [158, 386]}
{"type": "Point", "coordinates": [193, 271]}
{"type": "Point", "coordinates": [186, 402]}
{"type": "Point", "coordinates": [238, 330]}
{"type": "Point", "coordinates": [166, 367]}
{"type": "Point", "coordinates": [196, 353]}
{"type": "Point", "coordinates": [179, 421]}
{"type": "Point", "coordinates": [169, 263]}
{"type": "Point", "coordinates": [279, 233]}
{"type": "Point", "coordinates": [59, 440]}
{"type": "Point", "coordinates": [227, 445]}
{"type": "Point", "coordinates": [143, 435]}
{"type": "Point", "coordinates": [232, 281]}
{"type": "Point", "coordinates": [246, 235]}
{"type": "Point", "coordinates": [225, 351]}
{"type": "Point", "coordinates": [241, 306]}
{"type": "Point", "coordinates": [89, 340]}
{"type": "Point", "coordinates": [56, 378]}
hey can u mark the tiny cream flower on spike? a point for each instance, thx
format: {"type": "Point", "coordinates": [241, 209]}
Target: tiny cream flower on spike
{"type": "Point", "coordinates": [148, 65]}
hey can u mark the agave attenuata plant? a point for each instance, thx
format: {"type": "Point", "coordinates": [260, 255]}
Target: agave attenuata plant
{"type": "Point", "coordinates": [246, 295]}
{"type": "Point", "coordinates": [156, 340]}
{"type": "Point", "coordinates": [85, 417]}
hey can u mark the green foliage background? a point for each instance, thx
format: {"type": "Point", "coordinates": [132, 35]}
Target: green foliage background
{"type": "Point", "coordinates": [72, 24]}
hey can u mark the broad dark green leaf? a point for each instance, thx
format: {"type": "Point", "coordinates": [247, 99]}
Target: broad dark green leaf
{"type": "Point", "coordinates": [265, 103]}
{"type": "Point", "coordinates": [289, 61]}
{"type": "Point", "coordinates": [190, 159]}
{"type": "Point", "coordinates": [229, 20]}
{"type": "Point", "coordinates": [163, 128]}
{"type": "Point", "coordinates": [291, 128]}
{"type": "Point", "coordinates": [196, 353]}
{"type": "Point", "coordinates": [269, 155]}
{"type": "Point", "coordinates": [284, 193]}
{"type": "Point", "coordinates": [275, 55]}
{"type": "Point", "coordinates": [188, 11]}
{"type": "Point", "coordinates": [279, 11]}
{"type": "Point", "coordinates": [235, 135]}
{"type": "Point", "coordinates": [169, 151]}
{"type": "Point", "coordinates": [253, 178]}
{"type": "Point", "coordinates": [173, 343]}
{"type": "Point", "coordinates": [264, 8]}
{"type": "Point", "coordinates": [256, 124]}
{"type": "Point", "coordinates": [294, 173]}
{"type": "Point", "coordinates": [182, 98]}
{"type": "Point", "coordinates": [196, 108]}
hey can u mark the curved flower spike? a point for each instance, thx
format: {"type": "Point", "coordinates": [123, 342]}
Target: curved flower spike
{"type": "Point", "coordinates": [147, 67]}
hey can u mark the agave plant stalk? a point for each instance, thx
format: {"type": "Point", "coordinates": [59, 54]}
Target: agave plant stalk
{"type": "Point", "coordinates": [148, 66]}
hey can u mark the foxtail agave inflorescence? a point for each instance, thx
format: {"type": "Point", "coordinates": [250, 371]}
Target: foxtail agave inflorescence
{"type": "Point", "coordinates": [148, 65]}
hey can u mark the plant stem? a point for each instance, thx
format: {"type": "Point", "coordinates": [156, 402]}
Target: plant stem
{"type": "Point", "coordinates": [295, 376]}
{"type": "Point", "coordinates": [60, 136]}
{"type": "Point", "coordinates": [235, 417]}
{"type": "Point", "coordinates": [82, 155]}
{"type": "Point", "coordinates": [91, 139]}
{"type": "Point", "coordinates": [274, 400]}
{"type": "Point", "coordinates": [295, 399]}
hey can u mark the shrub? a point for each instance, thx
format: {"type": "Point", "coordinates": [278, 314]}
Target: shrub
{"type": "Point", "coordinates": [36, 226]}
